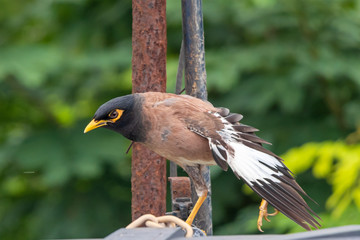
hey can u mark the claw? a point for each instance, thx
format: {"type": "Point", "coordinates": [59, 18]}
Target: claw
{"type": "Point", "coordinates": [264, 214]}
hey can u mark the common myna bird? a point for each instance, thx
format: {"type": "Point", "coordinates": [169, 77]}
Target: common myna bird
{"type": "Point", "coordinates": [193, 133]}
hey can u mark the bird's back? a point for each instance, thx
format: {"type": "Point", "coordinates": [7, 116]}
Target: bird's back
{"type": "Point", "coordinates": [170, 116]}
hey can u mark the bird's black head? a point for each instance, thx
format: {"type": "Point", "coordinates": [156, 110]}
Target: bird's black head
{"type": "Point", "coordinates": [121, 114]}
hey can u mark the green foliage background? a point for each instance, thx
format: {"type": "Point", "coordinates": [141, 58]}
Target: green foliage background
{"type": "Point", "coordinates": [292, 68]}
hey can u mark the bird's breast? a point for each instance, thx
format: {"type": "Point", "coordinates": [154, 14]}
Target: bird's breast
{"type": "Point", "coordinates": [182, 147]}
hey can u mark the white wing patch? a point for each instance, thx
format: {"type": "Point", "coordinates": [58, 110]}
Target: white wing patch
{"type": "Point", "coordinates": [247, 163]}
{"type": "Point", "coordinates": [237, 146]}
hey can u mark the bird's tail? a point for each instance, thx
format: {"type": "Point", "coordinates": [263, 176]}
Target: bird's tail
{"type": "Point", "coordinates": [237, 146]}
{"type": "Point", "coordinates": [272, 180]}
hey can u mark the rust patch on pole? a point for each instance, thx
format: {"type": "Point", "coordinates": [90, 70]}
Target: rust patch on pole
{"type": "Point", "coordinates": [148, 180]}
{"type": "Point", "coordinates": [180, 197]}
{"type": "Point", "coordinates": [180, 187]}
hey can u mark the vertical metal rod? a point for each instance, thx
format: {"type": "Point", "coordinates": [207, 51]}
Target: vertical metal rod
{"type": "Point", "coordinates": [195, 85]}
{"type": "Point", "coordinates": [148, 179]}
{"type": "Point", "coordinates": [173, 169]}
{"type": "Point", "coordinates": [180, 71]}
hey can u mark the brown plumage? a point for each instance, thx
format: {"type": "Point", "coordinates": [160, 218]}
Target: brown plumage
{"type": "Point", "coordinates": [193, 133]}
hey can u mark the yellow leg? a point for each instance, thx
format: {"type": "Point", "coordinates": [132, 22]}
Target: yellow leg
{"type": "Point", "coordinates": [196, 208]}
{"type": "Point", "coordinates": [264, 214]}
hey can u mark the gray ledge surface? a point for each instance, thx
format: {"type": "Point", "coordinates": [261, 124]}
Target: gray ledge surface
{"type": "Point", "coordinates": [351, 232]}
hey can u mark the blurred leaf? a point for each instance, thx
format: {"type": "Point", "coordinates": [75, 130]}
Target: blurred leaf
{"type": "Point", "coordinates": [337, 162]}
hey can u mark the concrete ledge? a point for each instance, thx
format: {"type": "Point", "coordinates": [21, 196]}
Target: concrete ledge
{"type": "Point", "coordinates": [351, 232]}
{"type": "Point", "coordinates": [146, 233]}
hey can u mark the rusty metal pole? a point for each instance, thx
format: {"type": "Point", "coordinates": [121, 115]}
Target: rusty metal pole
{"type": "Point", "coordinates": [148, 179]}
{"type": "Point", "coordinates": [195, 85]}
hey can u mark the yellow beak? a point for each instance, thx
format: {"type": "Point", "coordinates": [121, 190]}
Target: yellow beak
{"type": "Point", "coordinates": [95, 124]}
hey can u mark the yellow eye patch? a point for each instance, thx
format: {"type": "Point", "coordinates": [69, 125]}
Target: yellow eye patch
{"type": "Point", "coordinates": [115, 115]}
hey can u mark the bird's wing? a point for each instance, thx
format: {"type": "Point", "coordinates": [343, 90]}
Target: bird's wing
{"type": "Point", "coordinates": [235, 145]}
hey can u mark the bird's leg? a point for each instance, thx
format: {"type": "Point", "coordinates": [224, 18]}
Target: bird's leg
{"type": "Point", "coordinates": [264, 214]}
{"type": "Point", "coordinates": [196, 208]}
{"type": "Point", "coordinates": [195, 173]}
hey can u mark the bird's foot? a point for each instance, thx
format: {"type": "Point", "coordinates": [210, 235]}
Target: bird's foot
{"type": "Point", "coordinates": [264, 214]}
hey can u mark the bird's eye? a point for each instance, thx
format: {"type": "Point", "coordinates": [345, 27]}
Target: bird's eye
{"type": "Point", "coordinates": [113, 114]}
